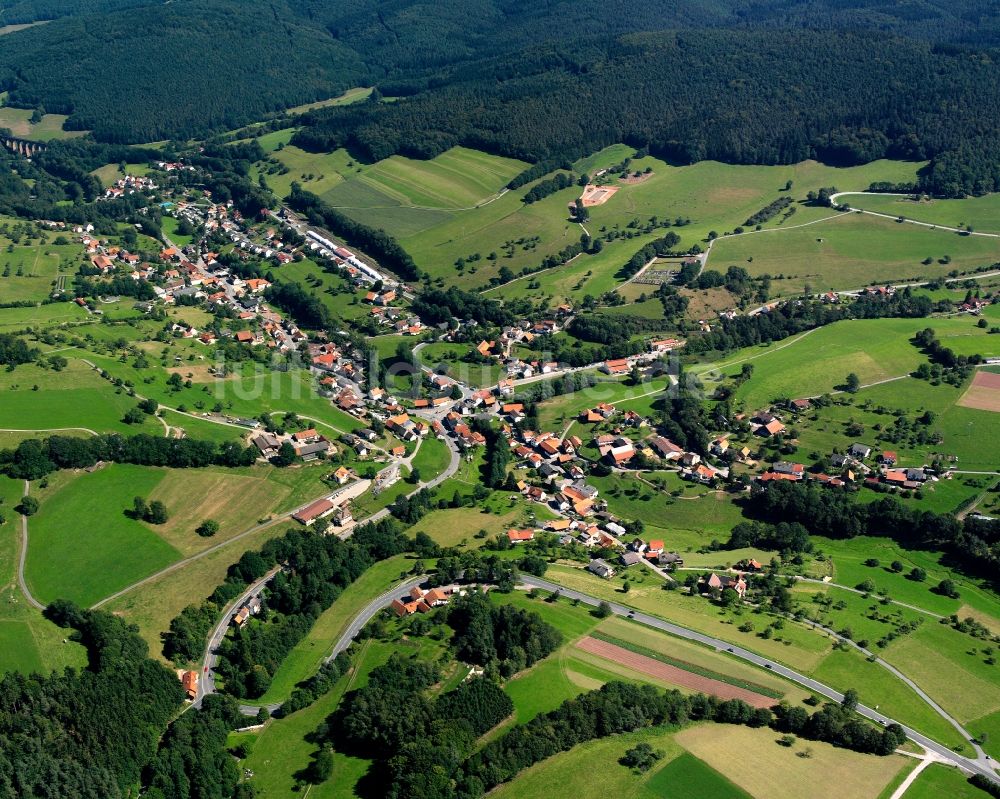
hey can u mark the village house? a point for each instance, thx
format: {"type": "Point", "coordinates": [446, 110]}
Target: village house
{"type": "Point", "coordinates": [317, 510]}
{"type": "Point", "coordinates": [601, 569]}
{"type": "Point", "coordinates": [719, 583]}
{"type": "Point", "coordinates": [617, 366]}
{"type": "Point", "coordinates": [860, 451]}
{"type": "Point", "coordinates": [189, 682]}
{"type": "Point", "coordinates": [516, 536]}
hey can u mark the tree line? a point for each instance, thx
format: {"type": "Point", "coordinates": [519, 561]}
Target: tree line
{"type": "Point", "coordinates": [34, 458]}
{"type": "Point", "coordinates": [973, 543]}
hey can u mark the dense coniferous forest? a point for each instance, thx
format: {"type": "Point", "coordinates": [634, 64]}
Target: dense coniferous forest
{"type": "Point", "coordinates": [92, 733]}
{"type": "Point", "coordinates": [542, 81]}
{"type": "Point", "coordinates": [853, 98]}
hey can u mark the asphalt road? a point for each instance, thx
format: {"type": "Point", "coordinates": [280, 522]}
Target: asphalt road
{"type": "Point", "coordinates": [369, 612]}
{"type": "Point", "coordinates": [978, 766]}
{"type": "Point", "coordinates": [206, 678]}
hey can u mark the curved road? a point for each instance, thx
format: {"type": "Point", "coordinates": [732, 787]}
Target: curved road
{"type": "Point", "coordinates": [206, 682]}
{"type": "Point", "coordinates": [980, 765]}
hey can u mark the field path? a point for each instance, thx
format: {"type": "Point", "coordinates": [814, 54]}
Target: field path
{"type": "Point", "coordinates": [22, 557]}
{"type": "Point", "coordinates": [906, 220]}
{"type": "Point", "coordinates": [45, 430]}
{"type": "Point", "coordinates": [926, 759]}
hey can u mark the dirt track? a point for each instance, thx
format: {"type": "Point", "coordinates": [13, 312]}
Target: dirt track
{"type": "Point", "coordinates": [672, 674]}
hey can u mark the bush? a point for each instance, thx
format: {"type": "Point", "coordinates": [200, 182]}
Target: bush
{"type": "Point", "coordinates": [29, 506]}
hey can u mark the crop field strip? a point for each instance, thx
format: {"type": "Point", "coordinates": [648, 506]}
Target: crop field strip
{"type": "Point", "coordinates": [685, 666]}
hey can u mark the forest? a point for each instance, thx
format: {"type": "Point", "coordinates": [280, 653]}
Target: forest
{"type": "Point", "coordinates": [683, 96]}
{"type": "Point", "coordinates": [972, 544]}
{"type": "Point", "coordinates": [95, 733]}
{"type": "Point", "coordinates": [875, 79]}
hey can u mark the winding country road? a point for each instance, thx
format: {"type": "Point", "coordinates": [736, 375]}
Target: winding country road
{"type": "Point", "coordinates": [982, 764]}
{"type": "Point", "coordinates": [206, 683]}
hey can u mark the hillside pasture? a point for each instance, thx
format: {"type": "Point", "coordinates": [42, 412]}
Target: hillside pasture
{"type": "Point", "coordinates": [73, 397]}
{"type": "Point", "coordinates": [981, 214]}
{"type": "Point", "coordinates": [819, 361]}
{"type": "Point", "coordinates": [28, 642]}
{"type": "Point", "coordinates": [18, 121]}
{"type": "Point", "coordinates": [83, 546]}
{"type": "Point", "coordinates": [236, 498]}
{"type": "Point", "coordinates": [849, 251]}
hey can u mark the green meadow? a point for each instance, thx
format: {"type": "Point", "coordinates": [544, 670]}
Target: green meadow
{"type": "Point", "coordinates": [18, 121]}
{"type": "Point", "coordinates": [978, 213]}
{"type": "Point", "coordinates": [819, 361]}
{"type": "Point", "coordinates": [73, 397]}
{"type": "Point", "coordinates": [83, 546]}
{"type": "Point", "coordinates": [850, 251]}
{"type": "Point", "coordinates": [28, 642]}
{"type": "Point", "coordinates": [939, 780]}
{"type": "Point", "coordinates": [13, 320]}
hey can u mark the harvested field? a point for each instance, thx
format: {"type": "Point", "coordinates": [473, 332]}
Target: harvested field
{"type": "Point", "coordinates": [597, 195]}
{"type": "Point", "coordinates": [671, 674]}
{"type": "Point", "coordinates": [984, 393]}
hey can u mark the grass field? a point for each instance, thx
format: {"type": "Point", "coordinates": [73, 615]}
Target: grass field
{"type": "Point", "coordinates": [28, 642]}
{"type": "Point", "coordinates": [246, 393]}
{"type": "Point", "coordinates": [877, 687]}
{"type": "Point", "coordinates": [938, 780]}
{"type": "Point", "coordinates": [819, 361]}
{"type": "Point", "coordinates": [83, 547]}
{"type": "Point", "coordinates": [16, 319]}
{"type": "Point", "coordinates": [18, 120]}
{"type": "Point", "coordinates": [74, 397]}
{"type": "Point", "coordinates": [236, 498]}
{"type": "Point", "coordinates": [29, 270]}
{"type": "Point", "coordinates": [170, 229]}
{"type": "Point", "coordinates": [848, 558]}
{"type": "Point", "coordinates": [951, 668]}
{"type": "Point", "coordinates": [828, 773]}
{"type": "Point", "coordinates": [710, 513]}
{"type": "Point", "coordinates": [457, 526]}
{"type": "Point", "coordinates": [591, 770]}
{"type": "Point", "coordinates": [707, 759]}
{"type": "Point", "coordinates": [401, 194]}
{"type": "Point", "coordinates": [851, 251]}
{"type": "Point", "coordinates": [979, 213]}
